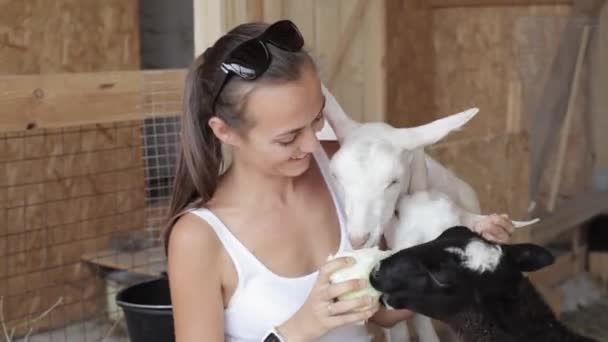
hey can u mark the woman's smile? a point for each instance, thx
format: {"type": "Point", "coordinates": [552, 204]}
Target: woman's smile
{"type": "Point", "coordinates": [300, 157]}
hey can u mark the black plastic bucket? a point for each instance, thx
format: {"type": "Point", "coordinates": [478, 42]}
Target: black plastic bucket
{"type": "Point", "coordinates": [148, 311]}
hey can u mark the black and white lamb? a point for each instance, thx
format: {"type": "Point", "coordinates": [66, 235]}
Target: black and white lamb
{"type": "Point", "coordinates": [475, 286]}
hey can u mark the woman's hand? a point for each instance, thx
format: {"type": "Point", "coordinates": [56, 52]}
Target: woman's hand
{"type": "Point", "coordinates": [321, 312]}
{"type": "Point", "coordinates": [387, 318]}
{"type": "Point", "coordinates": [498, 228]}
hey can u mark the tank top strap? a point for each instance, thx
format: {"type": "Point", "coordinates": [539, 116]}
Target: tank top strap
{"type": "Point", "coordinates": [237, 252]}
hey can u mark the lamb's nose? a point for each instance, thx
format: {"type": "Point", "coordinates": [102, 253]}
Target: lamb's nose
{"type": "Point", "coordinates": [359, 241]}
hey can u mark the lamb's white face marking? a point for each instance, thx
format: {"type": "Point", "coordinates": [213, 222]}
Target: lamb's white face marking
{"type": "Point", "coordinates": [478, 255]}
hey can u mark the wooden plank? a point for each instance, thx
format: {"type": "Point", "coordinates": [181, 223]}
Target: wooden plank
{"type": "Point", "coordinates": [374, 76]}
{"type": "Point", "coordinates": [598, 90]}
{"type": "Point", "coordinates": [255, 9]}
{"type": "Point", "coordinates": [208, 23]}
{"type": "Point", "coordinates": [150, 261]}
{"type": "Point", "coordinates": [348, 83]}
{"type": "Point", "coordinates": [478, 3]}
{"type": "Point", "coordinates": [302, 13]}
{"type": "Point", "coordinates": [237, 12]}
{"type": "Point", "coordinates": [350, 30]}
{"type": "Point", "coordinates": [565, 131]}
{"type": "Point", "coordinates": [410, 65]}
{"type": "Point", "coordinates": [68, 36]}
{"type": "Point", "coordinates": [273, 10]}
{"type": "Point", "coordinates": [326, 15]}
{"type": "Point", "coordinates": [569, 215]}
{"type": "Point", "coordinates": [60, 100]}
{"type": "Point", "coordinates": [598, 265]}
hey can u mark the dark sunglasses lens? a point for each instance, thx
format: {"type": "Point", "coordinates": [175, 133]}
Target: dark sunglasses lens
{"type": "Point", "coordinates": [249, 60]}
{"type": "Point", "coordinates": [285, 35]}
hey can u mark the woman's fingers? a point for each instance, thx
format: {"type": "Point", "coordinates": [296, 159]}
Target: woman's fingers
{"type": "Point", "coordinates": [496, 228]}
{"type": "Point", "coordinates": [504, 222]}
{"type": "Point", "coordinates": [353, 317]}
{"type": "Point", "coordinates": [346, 306]}
{"type": "Point", "coordinates": [335, 290]}
{"type": "Point", "coordinates": [332, 266]}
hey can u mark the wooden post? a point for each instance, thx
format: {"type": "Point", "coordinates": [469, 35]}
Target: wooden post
{"type": "Point", "coordinates": [563, 142]}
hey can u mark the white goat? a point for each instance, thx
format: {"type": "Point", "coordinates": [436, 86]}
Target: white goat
{"type": "Point", "coordinates": [382, 170]}
{"type": "Point", "coordinates": [376, 163]}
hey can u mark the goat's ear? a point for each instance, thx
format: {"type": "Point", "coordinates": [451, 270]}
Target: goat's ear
{"type": "Point", "coordinates": [420, 136]}
{"type": "Point", "coordinates": [339, 121]}
{"type": "Point", "coordinates": [529, 257]}
{"type": "Point", "coordinates": [418, 170]}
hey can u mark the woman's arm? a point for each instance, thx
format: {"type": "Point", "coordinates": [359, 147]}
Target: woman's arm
{"type": "Point", "coordinates": [195, 281]}
{"type": "Point", "coordinates": [387, 318]}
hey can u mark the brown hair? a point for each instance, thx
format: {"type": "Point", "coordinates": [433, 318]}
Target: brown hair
{"type": "Point", "coordinates": [199, 159]}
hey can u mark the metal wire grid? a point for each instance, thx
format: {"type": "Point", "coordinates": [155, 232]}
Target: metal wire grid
{"type": "Point", "coordinates": [69, 295]}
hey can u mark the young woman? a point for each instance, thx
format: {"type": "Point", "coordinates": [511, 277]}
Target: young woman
{"type": "Point", "coordinates": [247, 248]}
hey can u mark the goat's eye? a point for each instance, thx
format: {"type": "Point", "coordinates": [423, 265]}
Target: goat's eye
{"type": "Point", "coordinates": [393, 182]}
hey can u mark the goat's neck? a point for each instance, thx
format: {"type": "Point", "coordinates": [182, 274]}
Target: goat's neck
{"type": "Point", "coordinates": [418, 172]}
{"type": "Point", "coordinates": [520, 315]}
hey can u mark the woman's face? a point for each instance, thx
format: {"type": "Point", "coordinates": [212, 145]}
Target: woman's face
{"type": "Point", "coordinates": [284, 119]}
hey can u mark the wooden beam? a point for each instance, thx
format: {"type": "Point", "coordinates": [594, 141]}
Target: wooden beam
{"type": "Point", "coordinates": [481, 3]}
{"type": "Point", "coordinates": [568, 215]}
{"type": "Point", "coordinates": [565, 131]}
{"type": "Point", "coordinates": [60, 100]}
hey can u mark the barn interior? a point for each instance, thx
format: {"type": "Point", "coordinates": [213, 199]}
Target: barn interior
{"type": "Point", "coordinates": [90, 101]}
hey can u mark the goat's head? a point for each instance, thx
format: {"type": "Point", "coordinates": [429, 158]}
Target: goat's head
{"type": "Point", "coordinates": [442, 277]}
{"type": "Point", "coordinates": [373, 165]}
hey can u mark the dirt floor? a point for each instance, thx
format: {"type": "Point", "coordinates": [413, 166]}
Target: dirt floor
{"type": "Point", "coordinates": [591, 321]}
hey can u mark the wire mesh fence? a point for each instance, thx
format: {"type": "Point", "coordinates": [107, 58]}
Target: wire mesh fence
{"type": "Point", "coordinates": [81, 210]}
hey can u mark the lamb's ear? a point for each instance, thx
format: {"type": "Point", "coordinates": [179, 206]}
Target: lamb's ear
{"type": "Point", "coordinates": [457, 232]}
{"type": "Point", "coordinates": [340, 122]}
{"type": "Point", "coordinates": [428, 134]}
{"type": "Point", "coordinates": [529, 257]}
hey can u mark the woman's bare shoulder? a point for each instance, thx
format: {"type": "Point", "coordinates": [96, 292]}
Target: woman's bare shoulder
{"type": "Point", "coordinates": [196, 280]}
{"type": "Point", "coordinates": [192, 234]}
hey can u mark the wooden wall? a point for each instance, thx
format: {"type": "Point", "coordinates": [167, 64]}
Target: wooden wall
{"type": "Point", "coordinates": [479, 62]}
{"type": "Point", "coordinates": [344, 36]}
{"type": "Point", "coordinates": [409, 63]}
{"type": "Point", "coordinates": [64, 191]}
{"type": "Point", "coordinates": [38, 36]}
{"type": "Point", "coordinates": [440, 57]}
{"type": "Point", "coordinates": [495, 55]}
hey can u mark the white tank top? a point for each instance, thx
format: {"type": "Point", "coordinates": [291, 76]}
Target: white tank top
{"type": "Point", "coordinates": [263, 299]}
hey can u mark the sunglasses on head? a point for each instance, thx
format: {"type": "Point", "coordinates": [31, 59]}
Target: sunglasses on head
{"type": "Point", "coordinates": [251, 59]}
